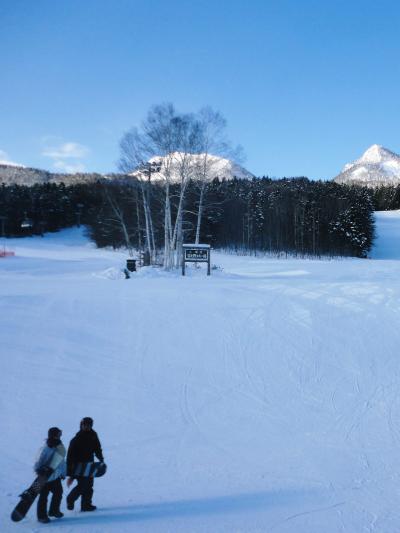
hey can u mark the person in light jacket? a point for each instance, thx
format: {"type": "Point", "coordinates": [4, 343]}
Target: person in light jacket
{"type": "Point", "coordinates": [51, 457]}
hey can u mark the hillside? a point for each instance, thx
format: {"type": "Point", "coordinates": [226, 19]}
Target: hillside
{"type": "Point", "coordinates": [377, 166]}
{"type": "Point", "coordinates": [262, 398]}
{"type": "Point", "coordinates": [18, 175]}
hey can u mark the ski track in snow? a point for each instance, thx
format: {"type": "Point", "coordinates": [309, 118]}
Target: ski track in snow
{"type": "Point", "coordinates": [264, 398]}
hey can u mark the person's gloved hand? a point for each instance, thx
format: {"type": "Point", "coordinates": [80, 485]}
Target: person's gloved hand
{"type": "Point", "coordinates": [44, 471]}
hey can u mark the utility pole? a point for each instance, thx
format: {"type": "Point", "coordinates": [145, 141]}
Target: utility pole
{"type": "Point", "coordinates": [3, 219]}
{"type": "Point", "coordinates": [78, 213]}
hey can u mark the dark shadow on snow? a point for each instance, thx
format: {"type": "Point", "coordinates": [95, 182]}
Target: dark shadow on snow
{"type": "Point", "coordinates": [180, 508]}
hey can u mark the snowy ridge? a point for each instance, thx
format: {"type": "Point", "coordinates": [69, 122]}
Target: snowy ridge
{"type": "Point", "coordinates": [216, 167]}
{"type": "Point", "coordinates": [20, 175]}
{"type": "Point", "coordinates": [377, 166]}
{"type": "Point", "coordinates": [10, 164]}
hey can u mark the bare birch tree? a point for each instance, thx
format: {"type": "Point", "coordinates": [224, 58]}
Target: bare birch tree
{"type": "Point", "coordinates": [183, 146]}
{"type": "Point", "coordinates": [214, 145]}
{"type": "Point", "coordinates": [134, 158]}
{"type": "Point", "coordinates": [118, 217]}
{"type": "Point", "coordinates": [169, 139]}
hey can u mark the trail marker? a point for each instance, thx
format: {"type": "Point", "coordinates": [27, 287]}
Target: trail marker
{"type": "Point", "coordinates": [196, 253]}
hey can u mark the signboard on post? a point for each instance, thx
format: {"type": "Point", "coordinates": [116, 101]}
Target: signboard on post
{"type": "Point", "coordinates": [196, 253]}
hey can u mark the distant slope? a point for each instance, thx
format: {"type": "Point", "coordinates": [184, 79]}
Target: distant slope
{"type": "Point", "coordinates": [377, 166]}
{"type": "Point", "coordinates": [18, 175]}
{"type": "Point", "coordinates": [387, 243]}
{"type": "Point", "coordinates": [10, 174]}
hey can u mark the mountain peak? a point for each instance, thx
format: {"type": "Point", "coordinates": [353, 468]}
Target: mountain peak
{"type": "Point", "coordinates": [375, 154]}
{"type": "Point", "coordinates": [377, 166]}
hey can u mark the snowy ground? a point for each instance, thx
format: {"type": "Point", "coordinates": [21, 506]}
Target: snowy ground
{"type": "Point", "coordinates": [264, 398]}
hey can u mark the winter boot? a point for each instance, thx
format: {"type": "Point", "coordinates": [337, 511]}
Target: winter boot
{"type": "Point", "coordinates": [88, 508]}
{"type": "Point", "coordinates": [70, 504]}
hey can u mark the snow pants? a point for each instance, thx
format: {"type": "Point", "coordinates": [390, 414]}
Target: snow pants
{"type": "Point", "coordinates": [84, 488]}
{"type": "Point", "coordinates": [55, 487]}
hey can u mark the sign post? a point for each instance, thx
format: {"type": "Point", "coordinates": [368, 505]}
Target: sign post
{"type": "Point", "coordinates": [196, 253]}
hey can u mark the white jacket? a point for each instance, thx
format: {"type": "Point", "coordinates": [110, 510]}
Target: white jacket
{"type": "Point", "coordinates": [54, 458]}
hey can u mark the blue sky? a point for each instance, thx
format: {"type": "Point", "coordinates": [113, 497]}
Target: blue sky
{"type": "Point", "coordinates": [305, 85]}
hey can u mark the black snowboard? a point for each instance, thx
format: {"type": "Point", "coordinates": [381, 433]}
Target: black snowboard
{"type": "Point", "coordinates": [29, 495]}
{"type": "Point", "coordinates": [89, 470]}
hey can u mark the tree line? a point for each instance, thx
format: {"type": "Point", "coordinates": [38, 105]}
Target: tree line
{"type": "Point", "coordinates": [386, 197]}
{"type": "Point", "coordinates": [295, 216]}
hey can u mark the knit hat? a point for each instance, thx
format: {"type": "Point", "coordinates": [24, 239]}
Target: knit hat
{"type": "Point", "coordinates": [54, 433]}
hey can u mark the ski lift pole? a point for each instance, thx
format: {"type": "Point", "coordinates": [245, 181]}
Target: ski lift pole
{"type": "Point", "coordinates": [3, 219]}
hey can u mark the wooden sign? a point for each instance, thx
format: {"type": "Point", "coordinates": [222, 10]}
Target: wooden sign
{"type": "Point", "coordinates": [196, 253]}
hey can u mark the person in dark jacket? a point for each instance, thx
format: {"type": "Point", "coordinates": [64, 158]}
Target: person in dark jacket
{"type": "Point", "coordinates": [82, 449]}
{"type": "Point", "coordinates": [51, 458]}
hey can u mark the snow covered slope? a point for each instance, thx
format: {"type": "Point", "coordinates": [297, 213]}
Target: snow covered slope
{"type": "Point", "coordinates": [217, 167]}
{"type": "Point", "coordinates": [387, 244]}
{"type": "Point", "coordinates": [262, 398]}
{"type": "Point", "coordinates": [377, 166]}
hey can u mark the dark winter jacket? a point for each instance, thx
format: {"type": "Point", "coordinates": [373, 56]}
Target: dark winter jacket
{"type": "Point", "coordinates": [82, 449]}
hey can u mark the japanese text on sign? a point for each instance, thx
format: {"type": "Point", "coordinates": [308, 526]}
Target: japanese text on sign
{"type": "Point", "coordinates": [196, 255]}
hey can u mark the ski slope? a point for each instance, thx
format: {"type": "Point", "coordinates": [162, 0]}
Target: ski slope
{"type": "Point", "coordinates": [263, 398]}
{"type": "Point", "coordinates": [387, 245]}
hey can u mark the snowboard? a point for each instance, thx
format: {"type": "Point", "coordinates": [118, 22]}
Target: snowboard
{"type": "Point", "coordinates": [29, 496]}
{"type": "Point", "coordinates": [94, 469]}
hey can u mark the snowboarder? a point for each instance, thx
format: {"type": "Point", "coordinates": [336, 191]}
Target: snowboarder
{"type": "Point", "coordinates": [47, 455]}
{"type": "Point", "coordinates": [82, 449]}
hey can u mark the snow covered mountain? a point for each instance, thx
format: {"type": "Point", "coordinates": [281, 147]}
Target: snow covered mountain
{"type": "Point", "coordinates": [216, 167]}
{"type": "Point", "coordinates": [377, 166]}
{"type": "Point", "coordinates": [19, 175]}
